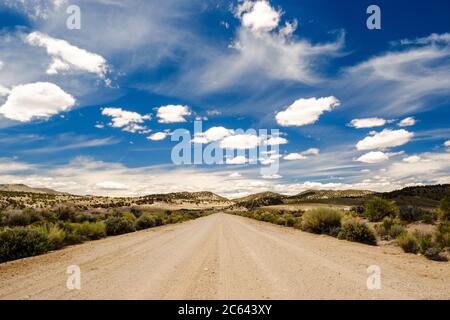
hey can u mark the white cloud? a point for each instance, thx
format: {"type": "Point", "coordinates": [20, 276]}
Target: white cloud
{"type": "Point", "coordinates": [263, 51]}
{"type": "Point", "coordinates": [407, 122]}
{"type": "Point", "coordinates": [158, 136]}
{"type": "Point", "coordinates": [412, 159]}
{"type": "Point", "coordinates": [311, 151]}
{"type": "Point", "coordinates": [240, 141]}
{"type": "Point", "coordinates": [173, 113]}
{"type": "Point", "coordinates": [237, 160]}
{"type": "Point", "coordinates": [258, 16]}
{"type": "Point", "coordinates": [212, 134]}
{"type": "Point", "coordinates": [36, 9]}
{"type": "Point", "coordinates": [400, 81]}
{"type": "Point", "coordinates": [111, 185]}
{"type": "Point", "coordinates": [126, 120]}
{"type": "Point", "coordinates": [294, 157]}
{"type": "Point", "coordinates": [373, 157]}
{"type": "Point", "coordinates": [4, 91]}
{"type": "Point", "coordinates": [306, 111]}
{"type": "Point", "coordinates": [273, 141]}
{"type": "Point", "coordinates": [447, 143]}
{"type": "Point", "coordinates": [385, 139]}
{"type": "Point", "coordinates": [39, 100]}
{"type": "Point", "coordinates": [66, 56]}
{"type": "Point", "coordinates": [367, 123]}
{"type": "Point", "coordinates": [272, 176]}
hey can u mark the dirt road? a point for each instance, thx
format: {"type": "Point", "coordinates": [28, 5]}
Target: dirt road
{"type": "Point", "coordinates": [224, 257]}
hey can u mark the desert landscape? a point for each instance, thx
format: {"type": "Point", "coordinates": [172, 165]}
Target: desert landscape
{"type": "Point", "coordinates": [203, 246]}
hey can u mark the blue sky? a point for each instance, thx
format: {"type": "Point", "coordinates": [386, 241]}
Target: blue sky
{"type": "Point", "coordinates": [93, 110]}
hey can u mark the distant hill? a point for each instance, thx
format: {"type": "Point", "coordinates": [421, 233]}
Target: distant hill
{"type": "Point", "coordinates": [202, 196]}
{"type": "Point", "coordinates": [314, 195]}
{"type": "Point", "coordinates": [421, 196]}
{"type": "Point", "coordinates": [27, 189]}
{"type": "Point", "coordinates": [260, 199]}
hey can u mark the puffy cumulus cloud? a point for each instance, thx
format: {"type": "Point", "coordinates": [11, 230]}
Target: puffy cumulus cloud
{"type": "Point", "coordinates": [126, 120]}
{"type": "Point", "coordinates": [385, 139]}
{"type": "Point", "coordinates": [158, 136]}
{"type": "Point", "coordinates": [412, 159]}
{"type": "Point", "coordinates": [40, 100]}
{"type": "Point", "coordinates": [407, 122]}
{"type": "Point", "coordinates": [4, 91]}
{"type": "Point", "coordinates": [172, 113]}
{"type": "Point", "coordinates": [258, 16]}
{"type": "Point", "coordinates": [274, 141]}
{"type": "Point", "coordinates": [111, 185]}
{"type": "Point", "coordinates": [312, 152]}
{"type": "Point", "coordinates": [237, 160]}
{"type": "Point", "coordinates": [67, 57]}
{"type": "Point", "coordinates": [373, 157]}
{"type": "Point", "coordinates": [294, 157]}
{"type": "Point", "coordinates": [306, 111]}
{"type": "Point", "coordinates": [447, 143]}
{"type": "Point", "coordinates": [212, 134]}
{"type": "Point", "coordinates": [302, 155]}
{"type": "Point", "coordinates": [367, 123]}
{"type": "Point", "coordinates": [240, 141]}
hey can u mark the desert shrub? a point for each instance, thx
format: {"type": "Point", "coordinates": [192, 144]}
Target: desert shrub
{"type": "Point", "coordinates": [21, 242]}
{"type": "Point", "coordinates": [408, 242]}
{"type": "Point", "coordinates": [56, 237]}
{"type": "Point", "coordinates": [321, 220]}
{"type": "Point", "coordinates": [390, 228]}
{"type": "Point", "coordinates": [444, 208]}
{"type": "Point", "coordinates": [91, 231]}
{"type": "Point", "coordinates": [378, 208]}
{"type": "Point", "coordinates": [359, 210]}
{"type": "Point", "coordinates": [72, 235]}
{"type": "Point", "coordinates": [83, 217]}
{"type": "Point", "coordinates": [420, 242]}
{"type": "Point", "coordinates": [357, 231]}
{"type": "Point", "coordinates": [268, 217]}
{"type": "Point", "coordinates": [119, 225]}
{"type": "Point", "coordinates": [411, 213]}
{"type": "Point", "coordinates": [137, 212]}
{"type": "Point", "coordinates": [145, 221]}
{"type": "Point", "coordinates": [16, 218]}
{"type": "Point", "coordinates": [129, 216]}
{"type": "Point", "coordinates": [66, 213]}
{"type": "Point", "coordinates": [434, 253]}
{"type": "Point", "coordinates": [442, 234]}
{"type": "Point", "coordinates": [290, 220]}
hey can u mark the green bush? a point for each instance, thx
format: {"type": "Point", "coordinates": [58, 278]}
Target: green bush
{"type": "Point", "coordinates": [56, 237]}
{"type": "Point", "coordinates": [21, 218]}
{"type": "Point", "coordinates": [390, 228]}
{"type": "Point", "coordinates": [321, 220]}
{"type": "Point", "coordinates": [408, 242]}
{"type": "Point", "coordinates": [411, 213]}
{"type": "Point", "coordinates": [420, 242]}
{"type": "Point", "coordinates": [378, 208]}
{"type": "Point", "coordinates": [357, 231]}
{"type": "Point", "coordinates": [119, 225]}
{"type": "Point", "coordinates": [442, 234]}
{"type": "Point", "coordinates": [21, 242]}
{"type": "Point", "coordinates": [66, 213]}
{"type": "Point", "coordinates": [444, 208]}
{"type": "Point", "coordinates": [145, 221]}
{"type": "Point", "coordinates": [92, 231]}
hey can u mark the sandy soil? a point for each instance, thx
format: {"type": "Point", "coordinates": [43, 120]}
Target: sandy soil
{"type": "Point", "coordinates": [224, 257]}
